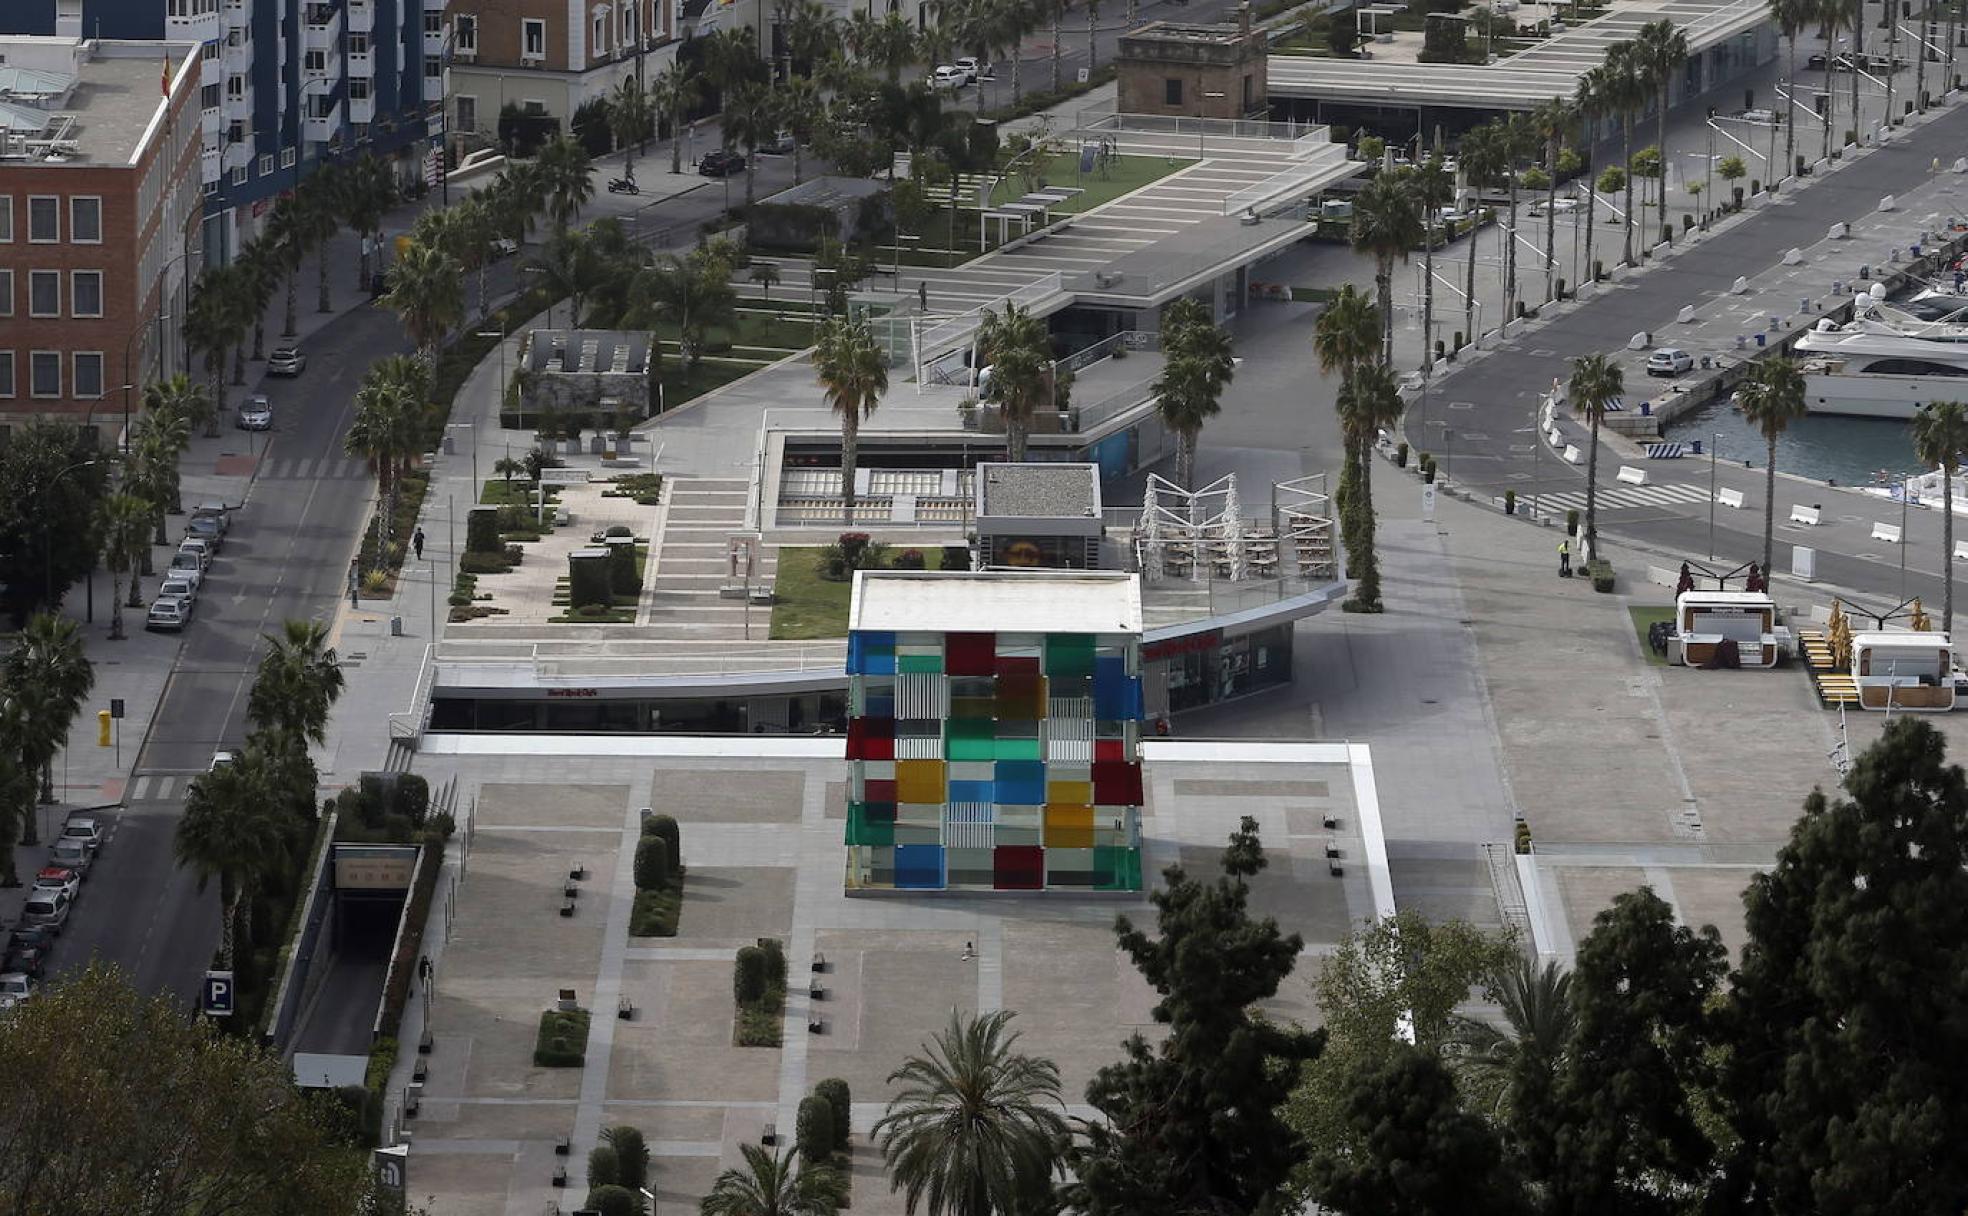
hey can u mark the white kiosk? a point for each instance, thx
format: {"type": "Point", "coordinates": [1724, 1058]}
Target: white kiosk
{"type": "Point", "coordinates": [1913, 671]}
{"type": "Point", "coordinates": [1703, 620]}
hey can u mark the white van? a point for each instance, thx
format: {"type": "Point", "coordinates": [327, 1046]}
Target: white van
{"type": "Point", "coordinates": [48, 908]}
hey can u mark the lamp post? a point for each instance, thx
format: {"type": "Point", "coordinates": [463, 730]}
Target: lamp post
{"type": "Point", "coordinates": [1202, 95]}
{"type": "Point", "coordinates": [1712, 451]}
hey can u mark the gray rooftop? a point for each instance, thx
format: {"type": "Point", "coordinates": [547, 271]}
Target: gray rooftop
{"type": "Point", "coordinates": [1038, 491]}
{"type": "Point", "coordinates": [116, 95]}
{"type": "Point", "coordinates": [586, 351]}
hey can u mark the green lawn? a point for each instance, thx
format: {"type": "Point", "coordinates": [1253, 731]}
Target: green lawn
{"type": "Point", "coordinates": [808, 606]}
{"type": "Point", "coordinates": [1122, 175]}
{"type": "Point", "coordinates": [1642, 618]}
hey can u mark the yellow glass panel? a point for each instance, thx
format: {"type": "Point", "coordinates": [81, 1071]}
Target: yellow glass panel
{"type": "Point", "coordinates": [919, 781]}
{"type": "Point", "coordinates": [1074, 793]}
{"type": "Point", "coordinates": [1068, 827]}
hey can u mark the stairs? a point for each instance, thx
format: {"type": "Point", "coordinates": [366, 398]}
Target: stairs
{"type": "Point", "coordinates": [681, 598]}
{"type": "Point", "coordinates": [1834, 687]}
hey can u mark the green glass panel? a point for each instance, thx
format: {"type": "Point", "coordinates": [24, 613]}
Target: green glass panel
{"type": "Point", "coordinates": [1069, 654]}
{"type": "Point", "coordinates": [919, 664]}
{"type": "Point", "coordinates": [862, 830]}
{"type": "Point", "coordinates": [1018, 749]}
{"type": "Point", "coordinates": [956, 748]}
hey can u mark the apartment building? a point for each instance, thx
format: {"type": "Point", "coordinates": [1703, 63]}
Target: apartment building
{"type": "Point", "coordinates": [550, 56]}
{"type": "Point", "coordinates": [286, 85]}
{"type": "Point", "coordinates": [100, 219]}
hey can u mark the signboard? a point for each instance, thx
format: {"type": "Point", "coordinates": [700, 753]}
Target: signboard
{"type": "Point", "coordinates": [116, 707]}
{"type": "Point", "coordinates": [1085, 75]}
{"type": "Point", "coordinates": [392, 1168]}
{"type": "Point", "coordinates": [1428, 501]}
{"type": "Point", "coordinates": [1192, 643]}
{"type": "Point", "coordinates": [217, 996]}
{"type": "Point", "coordinates": [371, 873]}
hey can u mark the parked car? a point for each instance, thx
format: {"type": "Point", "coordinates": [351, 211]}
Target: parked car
{"type": "Point", "coordinates": [255, 414]}
{"type": "Point", "coordinates": [86, 828]}
{"type": "Point", "coordinates": [222, 760]}
{"type": "Point", "coordinates": [187, 565]}
{"type": "Point", "coordinates": [27, 950]}
{"type": "Point", "coordinates": [71, 855]}
{"type": "Point", "coordinates": [207, 529]}
{"type": "Point", "coordinates": [781, 144]}
{"type": "Point", "coordinates": [205, 552]}
{"type": "Point", "coordinates": [175, 587]}
{"type": "Point", "coordinates": [168, 614]}
{"type": "Point", "coordinates": [58, 878]}
{"type": "Point", "coordinates": [948, 76]}
{"type": "Point", "coordinates": [48, 909]}
{"type": "Point", "coordinates": [722, 162]}
{"type": "Point", "coordinates": [15, 987]}
{"type": "Point", "coordinates": [217, 510]}
{"type": "Point", "coordinates": [1762, 118]}
{"type": "Point", "coordinates": [503, 247]}
{"type": "Point", "coordinates": [1559, 206]}
{"type": "Point", "coordinates": [973, 66]}
{"type": "Point", "coordinates": [1667, 361]}
{"type": "Point", "coordinates": [286, 361]}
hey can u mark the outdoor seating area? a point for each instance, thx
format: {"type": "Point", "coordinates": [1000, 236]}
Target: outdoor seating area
{"type": "Point", "coordinates": [1203, 535]}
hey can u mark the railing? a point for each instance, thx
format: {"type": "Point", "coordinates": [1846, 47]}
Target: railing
{"type": "Point", "coordinates": [1298, 177]}
{"type": "Point", "coordinates": [409, 724]}
{"type": "Point", "coordinates": [1170, 124]}
{"type": "Point", "coordinates": [1221, 596]}
{"type": "Point", "coordinates": [958, 330]}
{"type": "Point", "coordinates": [1114, 404]}
{"type": "Point", "coordinates": [581, 660]}
{"type": "Point", "coordinates": [1127, 339]}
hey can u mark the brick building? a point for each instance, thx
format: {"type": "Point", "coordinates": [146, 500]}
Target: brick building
{"type": "Point", "coordinates": [1193, 71]}
{"type": "Point", "coordinates": [99, 220]}
{"type": "Point", "coordinates": [550, 56]}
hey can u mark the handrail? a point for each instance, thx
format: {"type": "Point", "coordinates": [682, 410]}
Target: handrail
{"type": "Point", "coordinates": [1282, 183]}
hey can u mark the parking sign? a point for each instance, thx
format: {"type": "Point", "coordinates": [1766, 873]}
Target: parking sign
{"type": "Point", "coordinates": [218, 994]}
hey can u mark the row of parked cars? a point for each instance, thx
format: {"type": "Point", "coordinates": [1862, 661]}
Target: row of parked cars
{"type": "Point", "coordinates": [176, 600]}
{"type": "Point", "coordinates": [57, 885]}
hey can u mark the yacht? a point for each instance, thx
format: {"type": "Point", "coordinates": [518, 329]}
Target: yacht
{"type": "Point", "coordinates": [1886, 362]}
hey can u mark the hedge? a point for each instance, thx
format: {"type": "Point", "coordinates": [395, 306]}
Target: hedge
{"type": "Point", "coordinates": [397, 994]}
{"type": "Point", "coordinates": [588, 580]}
{"type": "Point", "coordinates": [840, 1098]}
{"type": "Point", "coordinates": [666, 827]}
{"type": "Point", "coordinates": [614, 1201]}
{"type": "Point", "coordinates": [563, 1039]}
{"type": "Point", "coordinates": [652, 863]}
{"type": "Point", "coordinates": [748, 976]}
{"type": "Point", "coordinates": [482, 530]}
{"type": "Point", "coordinates": [604, 1168]}
{"type": "Point", "coordinates": [655, 913]}
{"type": "Point", "coordinates": [815, 1130]}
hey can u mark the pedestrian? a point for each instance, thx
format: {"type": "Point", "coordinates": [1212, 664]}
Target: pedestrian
{"type": "Point", "coordinates": [922, 294]}
{"type": "Point", "coordinates": [1687, 580]}
{"type": "Point", "coordinates": [1564, 559]}
{"type": "Point", "coordinates": [424, 968]}
{"type": "Point", "coordinates": [417, 543]}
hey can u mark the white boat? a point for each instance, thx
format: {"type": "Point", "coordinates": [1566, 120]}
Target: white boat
{"type": "Point", "coordinates": [1883, 363]}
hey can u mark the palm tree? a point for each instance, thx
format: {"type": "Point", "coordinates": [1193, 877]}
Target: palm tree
{"type": "Point", "coordinates": [1662, 48]}
{"type": "Point", "coordinates": [299, 679]}
{"type": "Point", "coordinates": [1012, 20]}
{"type": "Point", "coordinates": [694, 293]}
{"type": "Point", "coordinates": [674, 90]}
{"type": "Point", "coordinates": [1553, 122]}
{"type": "Point", "coordinates": [770, 1185]}
{"type": "Point", "coordinates": [1596, 381]}
{"type": "Point", "coordinates": [1591, 103]}
{"type": "Point", "coordinates": [49, 664]}
{"type": "Point", "coordinates": [1518, 1062]}
{"type": "Point", "coordinates": [213, 325]}
{"type": "Point", "coordinates": [1387, 223]}
{"type": "Point", "coordinates": [1347, 334]}
{"type": "Point", "coordinates": [126, 522]}
{"type": "Point", "coordinates": [1197, 367]}
{"type": "Point", "coordinates": [386, 431]}
{"type": "Point", "coordinates": [427, 294]}
{"type": "Point", "coordinates": [259, 269]}
{"type": "Point", "coordinates": [151, 474]}
{"type": "Point", "coordinates": [1484, 161]}
{"type": "Point", "coordinates": [1056, 9]}
{"type": "Point", "coordinates": [894, 46]}
{"type": "Point", "coordinates": [1434, 188]}
{"type": "Point", "coordinates": [16, 782]}
{"type": "Point", "coordinates": [1940, 436]}
{"type": "Point", "coordinates": [366, 192]}
{"type": "Point", "coordinates": [1015, 345]}
{"type": "Point", "coordinates": [1626, 91]}
{"type": "Point", "coordinates": [628, 119]}
{"type": "Point", "coordinates": [1771, 398]}
{"type": "Point", "coordinates": [854, 373]}
{"type": "Point", "coordinates": [285, 239]}
{"type": "Point", "coordinates": [563, 169]}
{"type": "Point", "coordinates": [974, 1127]}
{"type": "Point", "coordinates": [321, 217]}
{"type": "Point", "coordinates": [228, 832]}
{"type": "Point", "coordinates": [800, 102]}
{"type": "Point", "coordinates": [751, 117]}
{"type": "Point", "coordinates": [1791, 17]}
{"type": "Point", "coordinates": [1368, 402]}
{"type": "Point", "coordinates": [1518, 139]}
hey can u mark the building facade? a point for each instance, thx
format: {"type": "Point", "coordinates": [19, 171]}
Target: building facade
{"type": "Point", "coordinates": [548, 57]}
{"type": "Point", "coordinates": [1194, 71]}
{"type": "Point", "coordinates": [99, 218]}
{"type": "Point", "coordinates": [285, 86]}
{"type": "Point", "coordinates": [994, 723]}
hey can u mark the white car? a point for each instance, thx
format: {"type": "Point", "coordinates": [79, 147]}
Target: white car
{"type": "Point", "coordinates": [58, 878]}
{"type": "Point", "coordinates": [1561, 206]}
{"type": "Point", "coordinates": [971, 66]}
{"type": "Point", "coordinates": [1667, 361]}
{"type": "Point", "coordinates": [202, 550]}
{"type": "Point", "coordinates": [71, 854]}
{"type": "Point", "coordinates": [167, 614]}
{"type": "Point", "coordinates": [15, 987]}
{"type": "Point", "coordinates": [49, 908]}
{"type": "Point", "coordinates": [948, 76]}
{"type": "Point", "coordinates": [223, 760]}
{"type": "Point", "coordinates": [177, 587]}
{"type": "Point", "coordinates": [85, 828]}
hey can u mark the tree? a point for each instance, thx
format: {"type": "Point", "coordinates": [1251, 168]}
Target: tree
{"type": "Point", "coordinates": [1412, 1151]}
{"type": "Point", "coordinates": [125, 532]}
{"type": "Point", "coordinates": [1552, 121]}
{"type": "Point", "coordinates": [1366, 403]}
{"type": "Point", "coordinates": [766, 275]}
{"type": "Point", "coordinates": [138, 1108]}
{"type": "Point", "coordinates": [426, 292]}
{"type": "Point", "coordinates": [1387, 224]}
{"type": "Point", "coordinates": [387, 431]}
{"type": "Point", "coordinates": [1014, 345]}
{"type": "Point", "coordinates": [228, 832]}
{"type": "Point", "coordinates": [215, 324]}
{"type": "Point", "coordinates": [1514, 1065]}
{"type": "Point", "coordinates": [1662, 49]}
{"type": "Point", "coordinates": [1940, 436]}
{"type": "Point", "coordinates": [1771, 398]}
{"type": "Point", "coordinates": [853, 375]}
{"type": "Point", "coordinates": [564, 171]}
{"type": "Point", "coordinates": [1630, 1139]}
{"type": "Point", "coordinates": [48, 670]}
{"type": "Point", "coordinates": [1515, 136]}
{"type": "Point", "coordinates": [1345, 338]}
{"type": "Point", "coordinates": [1593, 100]}
{"type": "Point", "coordinates": [50, 483]}
{"type": "Point", "coordinates": [973, 1128]}
{"type": "Point", "coordinates": [751, 117]}
{"type": "Point", "coordinates": [1792, 16]}
{"type": "Point", "coordinates": [628, 120]}
{"type": "Point", "coordinates": [774, 1185]}
{"type": "Point", "coordinates": [1196, 369]}
{"type": "Point", "coordinates": [1191, 1124]}
{"type": "Point", "coordinates": [1484, 162]}
{"type": "Point", "coordinates": [1596, 381]}
{"type": "Point", "coordinates": [285, 241]}
{"type": "Point", "coordinates": [694, 293]}
{"type": "Point", "coordinates": [1843, 1027]}
{"type": "Point", "coordinates": [299, 680]}
{"type": "Point", "coordinates": [674, 91]}
{"type": "Point", "coordinates": [366, 192]}
{"type": "Point", "coordinates": [258, 267]}
{"type": "Point", "coordinates": [320, 218]}
{"type": "Point", "coordinates": [568, 266]}
{"type": "Point", "coordinates": [1434, 188]}
{"type": "Point", "coordinates": [800, 111]}
{"type": "Point", "coordinates": [1625, 91]}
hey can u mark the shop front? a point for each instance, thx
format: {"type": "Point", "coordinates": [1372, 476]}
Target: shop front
{"type": "Point", "coordinates": [1211, 666]}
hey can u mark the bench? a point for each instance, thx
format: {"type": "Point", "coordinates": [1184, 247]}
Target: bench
{"type": "Point", "coordinates": [1632, 475]}
{"type": "Point", "coordinates": [625, 1010]}
{"type": "Point", "coordinates": [1730, 498]}
{"type": "Point", "coordinates": [1890, 533]}
{"type": "Point", "coordinates": [1801, 514]}
{"type": "Point", "coordinates": [770, 1136]}
{"type": "Point", "coordinates": [733, 591]}
{"type": "Point", "coordinates": [567, 908]}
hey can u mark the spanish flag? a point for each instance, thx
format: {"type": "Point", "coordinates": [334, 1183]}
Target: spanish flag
{"type": "Point", "coordinates": [165, 82]}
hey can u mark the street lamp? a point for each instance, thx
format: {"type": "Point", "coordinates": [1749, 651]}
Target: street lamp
{"type": "Point", "coordinates": [1202, 95]}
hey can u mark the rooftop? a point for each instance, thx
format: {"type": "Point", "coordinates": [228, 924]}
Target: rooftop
{"type": "Point", "coordinates": [1040, 491]}
{"type": "Point", "coordinates": [586, 351]}
{"type": "Point", "coordinates": [1002, 601]}
{"type": "Point", "coordinates": [1225, 33]}
{"type": "Point", "coordinates": [107, 115]}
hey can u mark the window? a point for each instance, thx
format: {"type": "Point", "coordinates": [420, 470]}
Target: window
{"type": "Point", "coordinates": [235, 88]}
{"type": "Point", "coordinates": [43, 218]}
{"type": "Point", "coordinates": [266, 165]}
{"type": "Point", "coordinates": [358, 44]}
{"type": "Point", "coordinates": [467, 113]}
{"type": "Point", "coordinates": [6, 373]}
{"type": "Point", "coordinates": [211, 50]}
{"type": "Point", "coordinates": [44, 293]}
{"type": "Point", "coordinates": [238, 176]}
{"type": "Point", "coordinates": [6, 293]}
{"type": "Point", "coordinates": [236, 132]}
{"type": "Point", "coordinates": [44, 373]}
{"type": "Point", "coordinates": [1248, 94]}
{"type": "Point", "coordinates": [433, 68]}
{"type": "Point", "coordinates": [1912, 367]}
{"type": "Point", "coordinates": [600, 34]}
{"type": "Point", "coordinates": [358, 88]}
{"type": "Point", "coordinates": [1171, 91]}
{"type": "Point", "coordinates": [532, 38]}
{"type": "Point", "coordinates": [85, 293]}
{"type": "Point", "coordinates": [88, 373]}
{"type": "Point", "coordinates": [85, 219]}
{"type": "Point", "coordinates": [467, 33]}
{"type": "Point", "coordinates": [208, 96]}
{"type": "Point", "coordinates": [628, 25]}
{"type": "Point", "coordinates": [315, 61]}
{"type": "Point", "coordinates": [6, 217]}
{"type": "Point", "coordinates": [286, 158]}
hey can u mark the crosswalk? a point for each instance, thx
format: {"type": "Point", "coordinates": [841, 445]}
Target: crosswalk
{"type": "Point", "coordinates": [158, 787]}
{"type": "Point", "coordinates": [313, 468]}
{"type": "Point", "coordinates": [1628, 498]}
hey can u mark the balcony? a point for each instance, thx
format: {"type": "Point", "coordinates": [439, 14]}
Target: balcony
{"type": "Point", "coordinates": [361, 17]}
{"type": "Point", "coordinates": [240, 108]}
{"type": "Point", "coordinates": [435, 6]}
{"type": "Point", "coordinates": [362, 110]}
{"type": "Point", "coordinates": [330, 69]}
{"type": "Point", "coordinates": [361, 65]}
{"type": "Point", "coordinates": [323, 29]}
{"type": "Point", "coordinates": [434, 43]}
{"type": "Point", "coordinates": [238, 57]}
{"type": "Point", "coordinates": [203, 27]}
{"type": "Point", "coordinates": [212, 121]}
{"type": "Point", "coordinates": [210, 169]}
{"type": "Point", "coordinates": [322, 127]}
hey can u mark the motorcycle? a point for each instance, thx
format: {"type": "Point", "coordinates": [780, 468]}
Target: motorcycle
{"type": "Point", "coordinates": [623, 185]}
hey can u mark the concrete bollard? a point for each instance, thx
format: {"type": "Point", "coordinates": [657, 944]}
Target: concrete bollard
{"type": "Point", "coordinates": [1739, 286]}
{"type": "Point", "coordinates": [1793, 257]}
{"type": "Point", "coordinates": [1839, 231]}
{"type": "Point", "coordinates": [1686, 315]}
{"type": "Point", "coordinates": [1639, 341]}
{"type": "Point", "coordinates": [1889, 203]}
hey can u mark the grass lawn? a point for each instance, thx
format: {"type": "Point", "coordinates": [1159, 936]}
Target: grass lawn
{"type": "Point", "coordinates": [943, 246]}
{"type": "Point", "coordinates": [1642, 618]}
{"type": "Point", "coordinates": [808, 606]}
{"type": "Point", "coordinates": [679, 387]}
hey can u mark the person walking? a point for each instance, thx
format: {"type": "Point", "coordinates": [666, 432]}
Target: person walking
{"type": "Point", "coordinates": [1564, 559]}
{"type": "Point", "coordinates": [417, 543]}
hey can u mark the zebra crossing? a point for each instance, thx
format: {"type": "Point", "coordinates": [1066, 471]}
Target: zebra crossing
{"type": "Point", "coordinates": [313, 468]}
{"type": "Point", "coordinates": [158, 787]}
{"type": "Point", "coordinates": [1627, 498]}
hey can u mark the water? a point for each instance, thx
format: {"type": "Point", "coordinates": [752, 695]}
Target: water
{"type": "Point", "coordinates": [1849, 451]}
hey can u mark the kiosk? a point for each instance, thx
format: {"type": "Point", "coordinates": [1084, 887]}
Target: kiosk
{"type": "Point", "coordinates": [1904, 671]}
{"type": "Point", "coordinates": [1703, 620]}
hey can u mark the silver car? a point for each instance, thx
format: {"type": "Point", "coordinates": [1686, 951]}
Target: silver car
{"type": "Point", "coordinates": [168, 615]}
{"type": "Point", "coordinates": [255, 414]}
{"type": "Point", "coordinates": [286, 361]}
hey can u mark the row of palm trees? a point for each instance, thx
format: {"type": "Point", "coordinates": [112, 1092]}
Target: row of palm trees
{"type": "Point", "coordinates": [245, 823]}
{"type": "Point", "coordinates": [132, 515]}
{"type": "Point", "coordinates": [44, 680]}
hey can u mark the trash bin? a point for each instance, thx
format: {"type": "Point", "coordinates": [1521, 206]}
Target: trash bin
{"type": "Point", "coordinates": [396, 626]}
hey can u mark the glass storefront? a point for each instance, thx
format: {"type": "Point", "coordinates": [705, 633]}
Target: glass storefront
{"type": "Point", "coordinates": [1206, 668]}
{"type": "Point", "coordinates": [797, 714]}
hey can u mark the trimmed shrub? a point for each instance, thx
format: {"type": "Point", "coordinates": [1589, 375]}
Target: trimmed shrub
{"type": "Point", "coordinates": [413, 796]}
{"type": "Point", "coordinates": [614, 1201]}
{"type": "Point", "coordinates": [1401, 455]}
{"type": "Point", "coordinates": [956, 557]}
{"type": "Point", "coordinates": [482, 530]}
{"type": "Point", "coordinates": [604, 1168]}
{"type": "Point", "coordinates": [652, 863]}
{"type": "Point", "coordinates": [1510, 502]}
{"type": "Point", "coordinates": [665, 826]}
{"type": "Point", "coordinates": [563, 1039]}
{"type": "Point", "coordinates": [618, 530]}
{"type": "Point", "coordinates": [622, 577]}
{"type": "Point", "coordinates": [631, 1153]}
{"type": "Point", "coordinates": [655, 913]}
{"type": "Point", "coordinates": [839, 1097]}
{"type": "Point", "coordinates": [815, 1130]}
{"type": "Point", "coordinates": [587, 579]}
{"type": "Point", "coordinates": [748, 976]}
{"type": "Point", "coordinates": [1572, 522]}
{"type": "Point", "coordinates": [910, 559]}
{"type": "Point", "coordinates": [775, 961]}
{"type": "Point", "coordinates": [483, 563]}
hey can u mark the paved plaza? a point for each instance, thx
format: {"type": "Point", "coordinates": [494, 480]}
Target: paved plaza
{"type": "Point", "coordinates": [762, 840]}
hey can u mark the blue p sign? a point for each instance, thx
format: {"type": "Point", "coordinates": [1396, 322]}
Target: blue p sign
{"type": "Point", "coordinates": [218, 994]}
